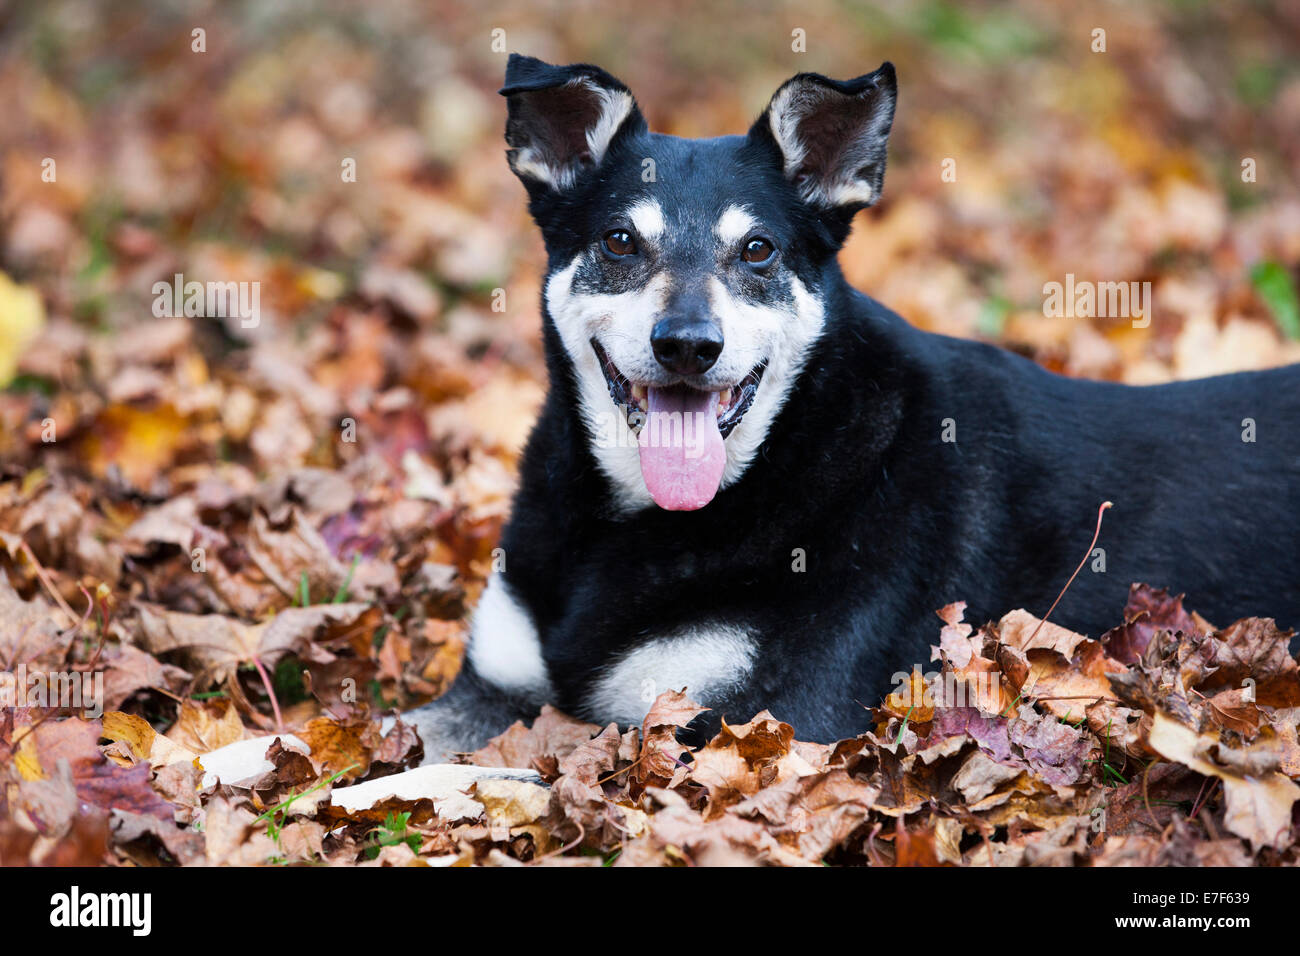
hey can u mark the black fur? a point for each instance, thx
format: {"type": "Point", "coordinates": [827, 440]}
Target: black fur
{"type": "Point", "coordinates": [894, 522]}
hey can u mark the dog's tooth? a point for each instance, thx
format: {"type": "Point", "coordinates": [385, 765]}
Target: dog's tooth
{"type": "Point", "coordinates": [639, 393]}
{"type": "Point", "coordinates": [724, 397]}
{"type": "Point", "coordinates": [643, 405]}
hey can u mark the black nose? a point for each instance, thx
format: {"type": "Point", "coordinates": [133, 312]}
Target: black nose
{"type": "Point", "coordinates": [686, 347]}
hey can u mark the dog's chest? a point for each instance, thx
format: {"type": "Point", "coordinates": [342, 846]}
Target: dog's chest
{"type": "Point", "coordinates": [603, 677]}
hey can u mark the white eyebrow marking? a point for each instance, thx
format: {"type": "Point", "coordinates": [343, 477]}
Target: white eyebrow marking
{"type": "Point", "coordinates": [735, 224]}
{"type": "Point", "coordinates": [648, 218]}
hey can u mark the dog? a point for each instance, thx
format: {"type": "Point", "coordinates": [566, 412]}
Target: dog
{"type": "Point", "coordinates": [750, 481]}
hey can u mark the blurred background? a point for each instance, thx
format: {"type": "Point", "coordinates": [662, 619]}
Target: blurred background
{"type": "Point", "coordinates": [142, 140]}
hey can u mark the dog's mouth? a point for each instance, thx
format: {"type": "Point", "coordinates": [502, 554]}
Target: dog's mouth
{"type": "Point", "coordinates": [730, 404]}
{"type": "Point", "coordinates": [680, 431]}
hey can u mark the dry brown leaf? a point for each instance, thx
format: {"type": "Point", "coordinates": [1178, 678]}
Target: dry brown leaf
{"type": "Point", "coordinates": [203, 726]}
{"type": "Point", "coordinates": [1258, 808]}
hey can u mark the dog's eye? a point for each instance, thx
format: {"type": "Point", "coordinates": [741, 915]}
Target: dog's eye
{"type": "Point", "coordinates": [757, 250]}
{"type": "Point", "coordinates": [619, 242]}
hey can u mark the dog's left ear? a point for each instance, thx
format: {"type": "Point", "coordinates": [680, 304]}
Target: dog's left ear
{"type": "Point", "coordinates": [562, 120]}
{"type": "Point", "coordinates": [832, 136]}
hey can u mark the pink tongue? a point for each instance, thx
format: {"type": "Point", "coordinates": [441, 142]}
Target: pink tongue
{"type": "Point", "coordinates": [682, 456]}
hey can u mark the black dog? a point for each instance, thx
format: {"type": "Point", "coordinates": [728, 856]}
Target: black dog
{"type": "Point", "coordinates": [789, 479]}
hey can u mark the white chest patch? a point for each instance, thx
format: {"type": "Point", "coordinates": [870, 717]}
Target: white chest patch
{"type": "Point", "coordinates": [708, 662]}
{"type": "Point", "coordinates": [504, 647]}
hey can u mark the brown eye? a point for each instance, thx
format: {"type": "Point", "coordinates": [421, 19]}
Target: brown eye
{"type": "Point", "coordinates": [619, 242]}
{"type": "Point", "coordinates": [757, 250]}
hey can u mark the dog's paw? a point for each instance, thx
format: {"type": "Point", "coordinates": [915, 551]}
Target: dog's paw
{"type": "Point", "coordinates": [446, 730]}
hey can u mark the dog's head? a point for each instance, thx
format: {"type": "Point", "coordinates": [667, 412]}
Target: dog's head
{"type": "Point", "coordinates": [685, 276]}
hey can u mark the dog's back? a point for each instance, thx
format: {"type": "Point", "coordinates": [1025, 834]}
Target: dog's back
{"type": "Point", "coordinates": [1201, 474]}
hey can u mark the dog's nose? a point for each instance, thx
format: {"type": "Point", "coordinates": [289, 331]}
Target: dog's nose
{"type": "Point", "coordinates": [686, 348]}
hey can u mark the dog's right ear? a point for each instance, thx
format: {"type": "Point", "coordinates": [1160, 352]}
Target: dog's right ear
{"type": "Point", "coordinates": [562, 120]}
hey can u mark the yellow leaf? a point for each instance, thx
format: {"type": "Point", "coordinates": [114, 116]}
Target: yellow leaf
{"type": "Point", "coordinates": [141, 442]}
{"type": "Point", "coordinates": [28, 760]}
{"type": "Point", "coordinates": [128, 729]}
{"type": "Point", "coordinates": [21, 317]}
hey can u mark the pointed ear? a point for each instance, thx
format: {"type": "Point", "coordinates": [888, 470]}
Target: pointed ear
{"type": "Point", "coordinates": [832, 136]}
{"type": "Point", "coordinates": [562, 120]}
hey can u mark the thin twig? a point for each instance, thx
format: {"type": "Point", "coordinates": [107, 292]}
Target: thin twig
{"type": "Point", "coordinates": [1095, 535]}
{"type": "Point", "coordinates": [76, 629]}
{"type": "Point", "coordinates": [266, 681]}
{"type": "Point", "coordinates": [1146, 796]}
{"type": "Point", "coordinates": [625, 769]}
{"type": "Point", "coordinates": [103, 630]}
{"type": "Point", "coordinates": [45, 579]}
{"type": "Point", "coordinates": [582, 835]}
{"type": "Point", "coordinates": [1200, 805]}
{"type": "Point", "coordinates": [13, 744]}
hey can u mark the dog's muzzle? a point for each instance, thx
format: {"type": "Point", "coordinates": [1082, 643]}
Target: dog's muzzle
{"type": "Point", "coordinates": [680, 429]}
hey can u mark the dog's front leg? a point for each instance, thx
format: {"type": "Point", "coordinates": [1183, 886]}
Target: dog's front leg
{"type": "Point", "coordinates": [504, 679]}
{"type": "Point", "coordinates": [465, 718]}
